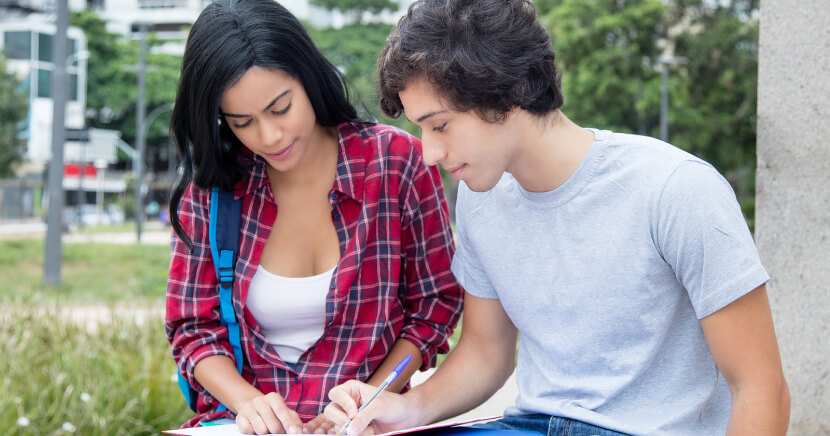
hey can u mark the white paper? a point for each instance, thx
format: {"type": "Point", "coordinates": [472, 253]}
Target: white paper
{"type": "Point", "coordinates": [233, 430]}
{"type": "Point", "coordinates": [212, 430]}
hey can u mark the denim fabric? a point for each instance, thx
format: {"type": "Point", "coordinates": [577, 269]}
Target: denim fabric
{"type": "Point", "coordinates": [548, 425]}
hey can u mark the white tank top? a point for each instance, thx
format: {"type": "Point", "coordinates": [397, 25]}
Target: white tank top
{"type": "Point", "coordinates": [291, 311]}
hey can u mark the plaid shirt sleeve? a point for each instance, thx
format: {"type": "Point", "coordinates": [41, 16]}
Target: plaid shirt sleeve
{"type": "Point", "coordinates": [432, 297]}
{"type": "Point", "coordinates": [192, 319]}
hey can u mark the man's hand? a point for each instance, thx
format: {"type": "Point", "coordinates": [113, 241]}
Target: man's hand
{"type": "Point", "coordinates": [388, 412]}
{"type": "Point", "coordinates": [267, 414]}
{"type": "Point", "coordinates": [319, 425]}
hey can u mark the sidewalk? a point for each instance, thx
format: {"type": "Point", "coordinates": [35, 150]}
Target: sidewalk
{"type": "Point", "coordinates": [151, 233]}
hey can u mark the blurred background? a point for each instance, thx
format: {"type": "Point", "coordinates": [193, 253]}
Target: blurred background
{"type": "Point", "coordinates": [82, 287]}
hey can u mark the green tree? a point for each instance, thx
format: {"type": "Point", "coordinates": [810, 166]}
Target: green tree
{"type": "Point", "coordinates": [354, 49]}
{"type": "Point", "coordinates": [357, 7]}
{"type": "Point", "coordinates": [14, 107]}
{"type": "Point", "coordinates": [713, 108]}
{"type": "Point", "coordinates": [111, 80]}
{"type": "Point", "coordinates": [607, 51]}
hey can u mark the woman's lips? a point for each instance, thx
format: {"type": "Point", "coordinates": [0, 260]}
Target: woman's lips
{"type": "Point", "coordinates": [282, 155]}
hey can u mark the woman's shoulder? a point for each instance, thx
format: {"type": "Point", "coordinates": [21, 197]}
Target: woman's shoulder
{"type": "Point", "coordinates": [194, 198]}
{"type": "Point", "coordinates": [379, 138]}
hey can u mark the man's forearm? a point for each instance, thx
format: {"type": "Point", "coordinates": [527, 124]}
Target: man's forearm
{"type": "Point", "coordinates": [471, 374]}
{"type": "Point", "coordinates": [760, 412]}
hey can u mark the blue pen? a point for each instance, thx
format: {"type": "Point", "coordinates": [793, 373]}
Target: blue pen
{"type": "Point", "coordinates": [386, 382]}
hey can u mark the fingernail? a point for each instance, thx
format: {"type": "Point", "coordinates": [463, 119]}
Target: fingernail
{"type": "Point", "coordinates": [294, 430]}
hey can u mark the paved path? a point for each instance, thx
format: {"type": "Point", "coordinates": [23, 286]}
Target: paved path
{"type": "Point", "coordinates": [152, 233]}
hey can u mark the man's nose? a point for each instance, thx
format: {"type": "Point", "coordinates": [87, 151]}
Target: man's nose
{"type": "Point", "coordinates": [433, 151]}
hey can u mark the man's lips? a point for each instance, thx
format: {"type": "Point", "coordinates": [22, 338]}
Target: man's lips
{"type": "Point", "coordinates": [456, 172]}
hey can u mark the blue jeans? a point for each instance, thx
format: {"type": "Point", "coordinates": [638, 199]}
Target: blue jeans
{"type": "Point", "coordinates": [548, 425]}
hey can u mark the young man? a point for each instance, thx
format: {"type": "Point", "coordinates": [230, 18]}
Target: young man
{"type": "Point", "coordinates": [624, 262]}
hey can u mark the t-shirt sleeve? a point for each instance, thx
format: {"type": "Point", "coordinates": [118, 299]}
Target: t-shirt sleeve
{"type": "Point", "coordinates": [702, 234]}
{"type": "Point", "coordinates": [465, 265]}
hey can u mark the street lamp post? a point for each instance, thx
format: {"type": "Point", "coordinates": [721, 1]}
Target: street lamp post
{"type": "Point", "coordinates": [54, 220]}
{"type": "Point", "coordinates": [139, 123]}
{"type": "Point", "coordinates": [665, 61]}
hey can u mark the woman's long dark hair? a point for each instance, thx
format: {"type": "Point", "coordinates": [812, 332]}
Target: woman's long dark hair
{"type": "Point", "coordinates": [228, 38]}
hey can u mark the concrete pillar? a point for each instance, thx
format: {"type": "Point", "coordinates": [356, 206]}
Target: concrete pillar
{"type": "Point", "coordinates": [792, 227]}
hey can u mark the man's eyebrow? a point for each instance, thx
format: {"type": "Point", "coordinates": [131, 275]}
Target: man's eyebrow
{"type": "Point", "coordinates": [274, 101]}
{"type": "Point", "coordinates": [429, 115]}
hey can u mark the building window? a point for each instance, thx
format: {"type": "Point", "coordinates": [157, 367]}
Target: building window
{"type": "Point", "coordinates": [44, 83]}
{"type": "Point", "coordinates": [73, 87]}
{"type": "Point", "coordinates": [44, 47]}
{"type": "Point", "coordinates": [18, 45]}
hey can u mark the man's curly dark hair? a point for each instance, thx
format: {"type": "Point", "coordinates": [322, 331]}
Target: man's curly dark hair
{"type": "Point", "coordinates": [485, 56]}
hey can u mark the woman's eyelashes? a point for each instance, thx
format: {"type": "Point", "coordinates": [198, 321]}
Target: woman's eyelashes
{"type": "Point", "coordinates": [440, 128]}
{"type": "Point", "coordinates": [282, 111]}
{"type": "Point", "coordinates": [276, 112]}
{"type": "Point", "coordinates": [245, 124]}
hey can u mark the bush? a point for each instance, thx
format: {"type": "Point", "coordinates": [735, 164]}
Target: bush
{"type": "Point", "coordinates": [59, 377]}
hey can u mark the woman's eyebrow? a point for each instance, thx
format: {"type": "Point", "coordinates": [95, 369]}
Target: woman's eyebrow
{"type": "Point", "coordinates": [273, 102]}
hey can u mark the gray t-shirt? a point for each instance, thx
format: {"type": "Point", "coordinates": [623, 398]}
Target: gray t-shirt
{"type": "Point", "coordinates": [606, 278]}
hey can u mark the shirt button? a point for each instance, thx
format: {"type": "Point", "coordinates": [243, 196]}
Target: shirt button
{"type": "Point", "coordinates": [337, 216]}
{"type": "Point", "coordinates": [334, 196]}
{"type": "Point", "coordinates": [332, 285]}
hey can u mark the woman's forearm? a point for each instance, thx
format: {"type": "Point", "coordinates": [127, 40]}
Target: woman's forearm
{"type": "Point", "coordinates": [218, 375]}
{"type": "Point", "coordinates": [399, 351]}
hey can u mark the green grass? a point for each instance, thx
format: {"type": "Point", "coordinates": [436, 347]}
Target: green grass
{"type": "Point", "coordinates": [90, 272]}
{"type": "Point", "coordinates": [56, 375]}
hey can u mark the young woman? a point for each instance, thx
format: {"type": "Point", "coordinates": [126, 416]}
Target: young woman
{"type": "Point", "coordinates": [345, 242]}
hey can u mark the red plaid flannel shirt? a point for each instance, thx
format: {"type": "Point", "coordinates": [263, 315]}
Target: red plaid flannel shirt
{"type": "Point", "coordinates": [393, 279]}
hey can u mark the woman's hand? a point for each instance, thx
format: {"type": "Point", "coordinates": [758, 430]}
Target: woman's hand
{"type": "Point", "coordinates": [319, 425]}
{"type": "Point", "coordinates": [267, 414]}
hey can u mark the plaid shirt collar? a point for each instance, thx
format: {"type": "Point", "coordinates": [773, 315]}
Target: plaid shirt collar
{"type": "Point", "coordinates": [351, 165]}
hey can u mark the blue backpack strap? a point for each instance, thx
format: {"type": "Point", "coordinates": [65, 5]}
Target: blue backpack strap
{"type": "Point", "coordinates": [225, 219]}
{"type": "Point", "coordinates": [223, 232]}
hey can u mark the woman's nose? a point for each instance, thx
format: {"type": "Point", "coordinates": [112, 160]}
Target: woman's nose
{"type": "Point", "coordinates": [270, 133]}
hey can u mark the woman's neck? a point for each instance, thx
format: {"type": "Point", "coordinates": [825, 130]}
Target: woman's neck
{"type": "Point", "coordinates": [315, 171]}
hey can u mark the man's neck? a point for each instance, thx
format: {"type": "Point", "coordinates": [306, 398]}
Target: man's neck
{"type": "Point", "coordinates": [552, 149]}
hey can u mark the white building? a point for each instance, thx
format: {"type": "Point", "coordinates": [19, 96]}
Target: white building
{"type": "Point", "coordinates": [27, 44]}
{"type": "Point", "coordinates": [169, 19]}
{"type": "Point", "coordinates": [27, 32]}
